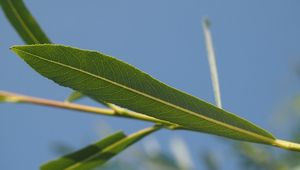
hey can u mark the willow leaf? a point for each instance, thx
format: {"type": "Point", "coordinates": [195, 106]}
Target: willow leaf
{"type": "Point", "coordinates": [107, 79]}
{"type": "Point", "coordinates": [80, 155]}
{"type": "Point", "coordinates": [99, 153]}
{"type": "Point", "coordinates": [24, 23]}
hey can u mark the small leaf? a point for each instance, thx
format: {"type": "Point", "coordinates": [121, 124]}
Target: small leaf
{"type": "Point", "coordinates": [99, 153]}
{"type": "Point", "coordinates": [75, 95]}
{"type": "Point", "coordinates": [23, 22]}
{"type": "Point", "coordinates": [107, 79]}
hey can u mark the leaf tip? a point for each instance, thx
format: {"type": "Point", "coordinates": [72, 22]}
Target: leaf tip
{"type": "Point", "coordinates": [14, 48]}
{"type": "Point", "coordinates": [206, 22]}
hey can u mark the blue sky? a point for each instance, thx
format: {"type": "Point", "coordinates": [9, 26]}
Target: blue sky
{"type": "Point", "coordinates": [257, 48]}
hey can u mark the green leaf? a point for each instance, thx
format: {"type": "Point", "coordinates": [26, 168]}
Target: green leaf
{"type": "Point", "coordinates": [84, 153]}
{"type": "Point", "coordinates": [104, 78]}
{"type": "Point", "coordinates": [23, 22]}
{"type": "Point", "coordinates": [97, 154]}
{"type": "Point", "coordinates": [75, 95]}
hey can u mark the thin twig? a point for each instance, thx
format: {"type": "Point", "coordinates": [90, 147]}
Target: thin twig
{"type": "Point", "coordinates": [113, 111]}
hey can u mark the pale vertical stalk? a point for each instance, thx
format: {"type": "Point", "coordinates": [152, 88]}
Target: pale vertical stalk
{"type": "Point", "coordinates": [212, 62]}
{"type": "Point", "coordinates": [182, 154]}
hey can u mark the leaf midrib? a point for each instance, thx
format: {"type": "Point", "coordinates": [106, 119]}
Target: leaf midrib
{"type": "Point", "coordinates": [255, 135]}
{"type": "Point", "coordinates": [22, 22]}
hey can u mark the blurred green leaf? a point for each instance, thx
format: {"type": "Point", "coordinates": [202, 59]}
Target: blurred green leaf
{"type": "Point", "coordinates": [24, 23]}
{"type": "Point", "coordinates": [75, 95]}
{"type": "Point", "coordinates": [97, 154]}
{"type": "Point", "coordinates": [161, 162]}
{"type": "Point", "coordinates": [253, 157]}
{"type": "Point", "coordinates": [259, 158]}
{"type": "Point", "coordinates": [104, 78]}
{"type": "Point", "coordinates": [61, 148]}
{"type": "Point", "coordinates": [210, 160]}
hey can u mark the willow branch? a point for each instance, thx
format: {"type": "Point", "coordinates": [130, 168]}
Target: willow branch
{"type": "Point", "coordinates": [113, 111]}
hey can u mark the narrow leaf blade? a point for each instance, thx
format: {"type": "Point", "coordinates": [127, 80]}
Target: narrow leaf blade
{"type": "Point", "coordinates": [114, 149]}
{"type": "Point", "coordinates": [24, 23]}
{"type": "Point", "coordinates": [99, 153]}
{"type": "Point", "coordinates": [104, 78]}
{"type": "Point", "coordinates": [80, 155]}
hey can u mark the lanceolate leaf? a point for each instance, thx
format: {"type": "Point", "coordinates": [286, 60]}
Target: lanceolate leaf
{"type": "Point", "coordinates": [97, 154]}
{"type": "Point", "coordinates": [104, 78]}
{"type": "Point", "coordinates": [23, 22]}
{"type": "Point", "coordinates": [82, 154]}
